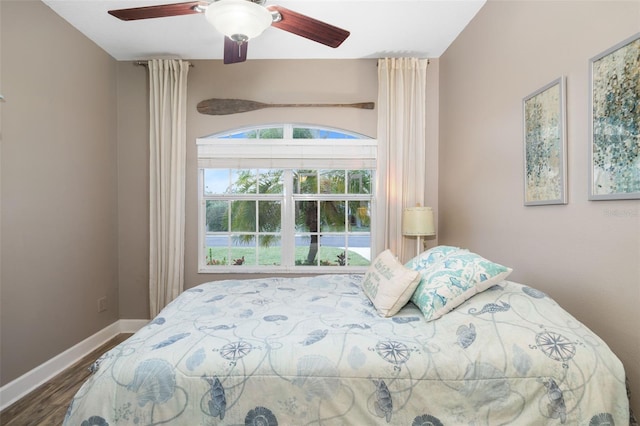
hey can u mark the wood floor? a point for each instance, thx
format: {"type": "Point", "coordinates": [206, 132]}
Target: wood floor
{"type": "Point", "coordinates": [47, 405]}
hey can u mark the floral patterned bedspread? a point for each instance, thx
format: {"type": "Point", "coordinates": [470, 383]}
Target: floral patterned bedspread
{"type": "Point", "coordinates": [298, 351]}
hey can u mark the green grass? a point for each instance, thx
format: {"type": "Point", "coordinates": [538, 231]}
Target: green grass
{"type": "Point", "coordinates": [272, 256]}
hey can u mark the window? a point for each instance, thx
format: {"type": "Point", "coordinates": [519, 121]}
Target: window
{"type": "Point", "coordinates": [285, 199]}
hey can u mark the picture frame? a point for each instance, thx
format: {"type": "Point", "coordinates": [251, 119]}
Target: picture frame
{"type": "Point", "coordinates": [614, 122]}
{"type": "Point", "coordinates": [545, 145]}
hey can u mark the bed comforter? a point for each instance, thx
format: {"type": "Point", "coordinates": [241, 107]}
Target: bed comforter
{"type": "Point", "coordinates": [299, 351]}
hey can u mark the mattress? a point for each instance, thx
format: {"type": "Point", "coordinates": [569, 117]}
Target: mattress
{"type": "Point", "coordinates": [313, 350]}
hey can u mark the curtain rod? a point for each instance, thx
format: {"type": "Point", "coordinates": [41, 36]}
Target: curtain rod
{"type": "Point", "coordinates": [146, 63]}
{"type": "Point", "coordinates": [393, 57]}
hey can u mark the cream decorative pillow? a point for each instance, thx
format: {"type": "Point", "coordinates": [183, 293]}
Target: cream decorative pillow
{"type": "Point", "coordinates": [448, 282]}
{"type": "Point", "coordinates": [389, 284]}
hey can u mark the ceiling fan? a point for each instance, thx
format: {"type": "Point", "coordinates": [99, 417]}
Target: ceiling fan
{"type": "Point", "coordinates": [242, 20]}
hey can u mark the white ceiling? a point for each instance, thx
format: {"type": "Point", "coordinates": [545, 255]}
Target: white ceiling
{"type": "Point", "coordinates": [379, 28]}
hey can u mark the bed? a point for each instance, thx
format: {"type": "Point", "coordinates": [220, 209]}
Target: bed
{"type": "Point", "coordinates": [315, 350]}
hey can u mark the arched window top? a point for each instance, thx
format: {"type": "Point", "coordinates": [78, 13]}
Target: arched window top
{"type": "Point", "coordinates": [287, 131]}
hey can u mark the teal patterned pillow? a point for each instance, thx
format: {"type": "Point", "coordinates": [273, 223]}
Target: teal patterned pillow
{"type": "Point", "coordinates": [454, 278]}
{"type": "Point", "coordinates": [431, 256]}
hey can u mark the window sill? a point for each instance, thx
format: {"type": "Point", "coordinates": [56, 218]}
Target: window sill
{"type": "Point", "coordinates": [283, 270]}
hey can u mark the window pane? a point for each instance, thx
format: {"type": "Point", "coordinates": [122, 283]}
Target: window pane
{"type": "Point", "coordinates": [243, 216]}
{"type": "Point", "coordinates": [264, 133]}
{"type": "Point", "coordinates": [311, 133]}
{"type": "Point", "coordinates": [270, 216]}
{"type": "Point", "coordinates": [243, 249]}
{"type": "Point", "coordinates": [270, 181]}
{"type": "Point", "coordinates": [306, 249]}
{"type": "Point", "coordinates": [303, 133]}
{"type": "Point", "coordinates": [307, 216]}
{"type": "Point", "coordinates": [305, 182]}
{"type": "Point", "coordinates": [306, 241]}
{"type": "Point", "coordinates": [359, 181]}
{"type": "Point", "coordinates": [217, 216]}
{"type": "Point", "coordinates": [244, 181]}
{"type": "Point", "coordinates": [332, 181]}
{"type": "Point", "coordinates": [217, 241]}
{"type": "Point", "coordinates": [216, 181]}
{"type": "Point", "coordinates": [271, 133]}
{"type": "Point", "coordinates": [215, 257]}
{"type": "Point", "coordinates": [269, 250]}
{"type": "Point", "coordinates": [332, 256]}
{"type": "Point", "coordinates": [217, 250]}
{"type": "Point", "coordinates": [359, 250]}
{"type": "Point", "coordinates": [246, 134]}
{"type": "Point", "coordinates": [334, 242]}
{"type": "Point", "coordinates": [359, 216]}
{"type": "Point", "coordinates": [332, 216]}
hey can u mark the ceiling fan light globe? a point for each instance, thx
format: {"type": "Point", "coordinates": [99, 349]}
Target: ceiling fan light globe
{"type": "Point", "coordinates": [238, 19]}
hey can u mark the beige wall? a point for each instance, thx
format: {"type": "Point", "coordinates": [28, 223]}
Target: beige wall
{"type": "Point", "coordinates": [586, 254]}
{"type": "Point", "coordinates": [58, 187]}
{"type": "Point", "coordinates": [133, 191]}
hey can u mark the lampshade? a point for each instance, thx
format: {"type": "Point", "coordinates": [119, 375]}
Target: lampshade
{"type": "Point", "coordinates": [240, 20]}
{"type": "Point", "coordinates": [418, 221]}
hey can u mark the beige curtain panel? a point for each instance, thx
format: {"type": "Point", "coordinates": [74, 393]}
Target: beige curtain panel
{"type": "Point", "coordinates": [401, 174]}
{"type": "Point", "coordinates": [167, 143]}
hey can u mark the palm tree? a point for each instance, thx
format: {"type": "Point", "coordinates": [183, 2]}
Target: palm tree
{"type": "Point", "coordinates": [243, 213]}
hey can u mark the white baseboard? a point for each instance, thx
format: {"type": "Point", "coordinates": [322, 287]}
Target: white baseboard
{"type": "Point", "coordinates": [16, 389]}
{"type": "Point", "coordinates": [131, 325]}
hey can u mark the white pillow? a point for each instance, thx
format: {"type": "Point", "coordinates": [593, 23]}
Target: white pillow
{"type": "Point", "coordinates": [389, 284]}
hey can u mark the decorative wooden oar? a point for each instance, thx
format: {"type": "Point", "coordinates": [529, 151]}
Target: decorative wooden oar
{"type": "Point", "coordinates": [218, 106]}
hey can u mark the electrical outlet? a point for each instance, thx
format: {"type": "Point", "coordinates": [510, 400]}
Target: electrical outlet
{"type": "Point", "coordinates": [102, 304]}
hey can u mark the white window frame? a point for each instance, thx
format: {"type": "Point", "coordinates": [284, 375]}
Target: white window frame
{"type": "Point", "coordinates": [287, 153]}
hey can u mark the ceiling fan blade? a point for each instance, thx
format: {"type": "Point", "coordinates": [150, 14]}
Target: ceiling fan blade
{"type": "Point", "coordinates": [308, 27]}
{"type": "Point", "coordinates": [234, 52]}
{"type": "Point", "coordinates": [159, 11]}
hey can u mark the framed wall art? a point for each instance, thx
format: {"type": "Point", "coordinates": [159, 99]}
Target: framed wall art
{"type": "Point", "coordinates": [545, 162]}
{"type": "Point", "coordinates": [614, 113]}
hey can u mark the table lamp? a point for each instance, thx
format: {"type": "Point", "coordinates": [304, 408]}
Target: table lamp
{"type": "Point", "coordinates": [418, 222]}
